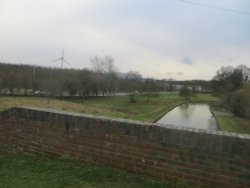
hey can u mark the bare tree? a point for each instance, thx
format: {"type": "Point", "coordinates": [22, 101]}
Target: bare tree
{"type": "Point", "coordinates": [245, 71]}
{"type": "Point", "coordinates": [97, 64]}
{"type": "Point", "coordinates": [105, 76]}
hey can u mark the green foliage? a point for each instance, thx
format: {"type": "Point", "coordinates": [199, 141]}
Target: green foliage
{"type": "Point", "coordinates": [151, 89]}
{"type": "Point", "coordinates": [28, 172]}
{"type": "Point", "coordinates": [132, 98]}
{"type": "Point", "coordinates": [233, 88]}
{"type": "Point", "coordinates": [227, 79]}
{"type": "Point", "coordinates": [185, 92]}
{"type": "Point", "coordinates": [72, 88]}
{"type": "Point", "coordinates": [239, 101]}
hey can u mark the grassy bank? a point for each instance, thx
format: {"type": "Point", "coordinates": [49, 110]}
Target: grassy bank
{"type": "Point", "coordinates": [143, 109]}
{"type": "Point", "coordinates": [227, 121]}
{"type": "Point", "coordinates": [29, 172]}
{"type": "Point", "coordinates": [233, 124]}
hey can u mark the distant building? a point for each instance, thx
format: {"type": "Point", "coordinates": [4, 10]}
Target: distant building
{"type": "Point", "coordinates": [133, 75]}
{"type": "Point", "coordinates": [198, 88]}
{"type": "Point", "coordinates": [177, 87]}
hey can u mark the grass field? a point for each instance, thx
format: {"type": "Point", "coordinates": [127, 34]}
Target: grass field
{"type": "Point", "coordinates": [143, 109]}
{"type": "Point", "coordinates": [233, 124]}
{"type": "Point", "coordinates": [19, 171]}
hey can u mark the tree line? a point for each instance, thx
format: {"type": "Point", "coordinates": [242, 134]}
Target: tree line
{"type": "Point", "coordinates": [101, 79]}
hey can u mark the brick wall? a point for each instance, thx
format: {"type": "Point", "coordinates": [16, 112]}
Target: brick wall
{"type": "Point", "coordinates": [187, 156]}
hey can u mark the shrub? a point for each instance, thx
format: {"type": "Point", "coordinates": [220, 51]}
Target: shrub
{"type": "Point", "coordinates": [239, 101]}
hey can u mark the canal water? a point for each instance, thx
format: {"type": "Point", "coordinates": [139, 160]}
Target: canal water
{"type": "Point", "coordinates": [190, 115]}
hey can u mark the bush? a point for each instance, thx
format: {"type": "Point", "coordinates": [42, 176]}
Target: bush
{"type": "Point", "coordinates": [239, 101]}
{"type": "Point", "coordinates": [185, 92]}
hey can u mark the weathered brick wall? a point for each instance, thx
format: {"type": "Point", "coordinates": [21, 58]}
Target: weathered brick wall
{"type": "Point", "coordinates": [188, 156]}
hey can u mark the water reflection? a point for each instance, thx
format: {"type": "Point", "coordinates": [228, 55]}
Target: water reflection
{"type": "Point", "coordinates": [186, 110]}
{"type": "Point", "coordinates": [190, 115]}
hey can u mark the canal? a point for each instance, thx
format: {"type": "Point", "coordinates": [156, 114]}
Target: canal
{"type": "Point", "coordinates": [190, 115]}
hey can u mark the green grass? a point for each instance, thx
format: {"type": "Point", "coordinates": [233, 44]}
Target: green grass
{"type": "Point", "coordinates": [28, 172]}
{"type": "Point", "coordinates": [119, 107]}
{"type": "Point", "coordinates": [143, 109]}
{"type": "Point", "coordinates": [233, 124]}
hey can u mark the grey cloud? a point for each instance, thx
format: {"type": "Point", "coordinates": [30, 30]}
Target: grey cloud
{"type": "Point", "coordinates": [180, 73]}
{"type": "Point", "coordinates": [174, 73]}
{"type": "Point", "coordinates": [169, 73]}
{"type": "Point", "coordinates": [187, 60]}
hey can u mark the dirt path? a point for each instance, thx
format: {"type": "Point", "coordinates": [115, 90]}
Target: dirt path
{"type": "Point", "coordinates": [218, 113]}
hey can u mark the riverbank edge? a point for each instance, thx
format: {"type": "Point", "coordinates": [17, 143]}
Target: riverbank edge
{"type": "Point", "coordinates": [215, 117]}
{"type": "Point", "coordinates": [216, 113]}
{"type": "Point", "coordinates": [238, 128]}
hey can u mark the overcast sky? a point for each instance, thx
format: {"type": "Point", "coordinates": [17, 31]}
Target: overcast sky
{"type": "Point", "coordinates": [158, 38]}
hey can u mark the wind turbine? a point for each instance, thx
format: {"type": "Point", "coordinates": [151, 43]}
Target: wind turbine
{"type": "Point", "coordinates": [62, 59]}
